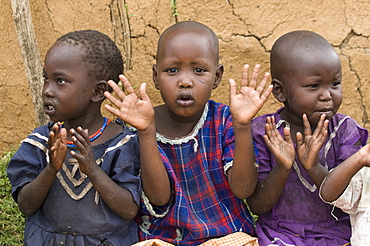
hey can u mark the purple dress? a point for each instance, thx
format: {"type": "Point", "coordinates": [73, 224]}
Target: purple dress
{"type": "Point", "coordinates": [73, 213]}
{"type": "Point", "coordinates": [300, 217]}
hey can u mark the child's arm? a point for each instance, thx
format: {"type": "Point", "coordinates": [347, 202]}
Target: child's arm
{"type": "Point", "coordinates": [338, 179]}
{"type": "Point", "coordinates": [116, 197]}
{"type": "Point", "coordinates": [243, 107]}
{"type": "Point", "coordinates": [32, 195]}
{"type": "Point", "coordinates": [308, 149]}
{"type": "Point", "coordinates": [268, 191]}
{"type": "Point", "coordinates": [139, 113]}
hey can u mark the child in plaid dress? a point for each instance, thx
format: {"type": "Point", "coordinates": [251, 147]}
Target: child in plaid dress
{"type": "Point", "coordinates": [197, 156]}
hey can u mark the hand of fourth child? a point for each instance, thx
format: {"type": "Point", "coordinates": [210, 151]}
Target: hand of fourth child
{"type": "Point", "coordinates": [308, 147]}
{"type": "Point", "coordinates": [85, 155]}
{"type": "Point", "coordinates": [363, 155]}
{"type": "Point", "coordinates": [134, 110]}
{"type": "Point", "coordinates": [283, 149]}
{"type": "Point", "coordinates": [57, 144]}
{"type": "Point", "coordinates": [250, 99]}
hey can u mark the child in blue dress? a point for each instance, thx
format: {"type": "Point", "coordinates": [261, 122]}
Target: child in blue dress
{"type": "Point", "coordinates": [76, 178]}
{"type": "Point", "coordinates": [194, 185]}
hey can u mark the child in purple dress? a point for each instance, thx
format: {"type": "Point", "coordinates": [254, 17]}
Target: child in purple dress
{"type": "Point", "coordinates": [299, 143]}
{"type": "Point", "coordinates": [194, 185]}
{"type": "Point", "coordinates": [77, 182]}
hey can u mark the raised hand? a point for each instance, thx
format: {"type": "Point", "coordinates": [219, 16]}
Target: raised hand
{"type": "Point", "coordinates": [85, 155]}
{"type": "Point", "coordinates": [132, 109]}
{"type": "Point", "coordinates": [57, 144]}
{"type": "Point", "coordinates": [283, 149]}
{"type": "Point", "coordinates": [245, 104]}
{"type": "Point", "coordinates": [308, 147]}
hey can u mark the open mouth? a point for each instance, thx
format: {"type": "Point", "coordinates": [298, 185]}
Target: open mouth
{"type": "Point", "coordinates": [49, 108]}
{"type": "Point", "coordinates": [326, 111]}
{"type": "Point", "coordinates": [185, 99]}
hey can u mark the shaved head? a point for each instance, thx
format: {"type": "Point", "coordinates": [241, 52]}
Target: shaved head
{"type": "Point", "coordinates": [189, 27]}
{"type": "Point", "coordinates": [293, 50]}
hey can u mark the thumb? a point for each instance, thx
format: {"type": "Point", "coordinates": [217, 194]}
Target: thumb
{"type": "Point", "coordinates": [232, 87]}
{"type": "Point", "coordinates": [143, 94]}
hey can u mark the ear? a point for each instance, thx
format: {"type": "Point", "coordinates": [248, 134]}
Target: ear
{"type": "Point", "coordinates": [218, 76]}
{"type": "Point", "coordinates": [278, 90]}
{"type": "Point", "coordinates": [100, 87]}
{"type": "Point", "coordinates": [155, 76]}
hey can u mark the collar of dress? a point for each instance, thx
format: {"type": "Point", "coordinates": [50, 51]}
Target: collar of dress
{"type": "Point", "coordinates": [166, 140]}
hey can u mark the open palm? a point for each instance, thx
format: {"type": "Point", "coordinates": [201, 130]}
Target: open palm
{"type": "Point", "coordinates": [282, 148]}
{"type": "Point", "coordinates": [134, 110]}
{"type": "Point", "coordinates": [308, 147]}
{"type": "Point", "coordinates": [245, 104]}
{"type": "Point", "coordinates": [57, 146]}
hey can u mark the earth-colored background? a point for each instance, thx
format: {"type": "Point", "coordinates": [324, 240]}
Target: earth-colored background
{"type": "Point", "coordinates": [246, 32]}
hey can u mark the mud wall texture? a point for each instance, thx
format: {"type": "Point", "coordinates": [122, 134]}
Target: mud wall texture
{"type": "Point", "coordinates": [246, 30]}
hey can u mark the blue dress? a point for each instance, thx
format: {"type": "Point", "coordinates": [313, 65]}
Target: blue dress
{"type": "Point", "coordinates": [73, 213]}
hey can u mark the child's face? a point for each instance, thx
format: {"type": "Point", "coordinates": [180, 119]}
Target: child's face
{"type": "Point", "coordinates": [186, 72]}
{"type": "Point", "coordinates": [67, 88]}
{"type": "Point", "coordinates": [314, 87]}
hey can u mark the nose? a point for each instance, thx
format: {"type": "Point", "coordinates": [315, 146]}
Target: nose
{"type": "Point", "coordinates": [185, 80]}
{"type": "Point", "coordinates": [47, 89]}
{"type": "Point", "coordinates": [325, 95]}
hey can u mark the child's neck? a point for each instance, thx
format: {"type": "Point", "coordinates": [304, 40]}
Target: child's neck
{"type": "Point", "coordinates": [171, 127]}
{"type": "Point", "coordinates": [296, 124]}
{"type": "Point", "coordinates": [92, 125]}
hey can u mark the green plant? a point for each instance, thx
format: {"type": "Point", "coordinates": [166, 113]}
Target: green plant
{"type": "Point", "coordinates": [174, 8]}
{"type": "Point", "coordinates": [11, 219]}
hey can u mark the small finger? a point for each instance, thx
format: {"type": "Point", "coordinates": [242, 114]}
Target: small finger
{"type": "Point", "coordinates": [126, 84]}
{"type": "Point", "coordinates": [116, 89]}
{"type": "Point", "coordinates": [245, 75]}
{"type": "Point", "coordinates": [299, 138]}
{"type": "Point", "coordinates": [63, 135]}
{"type": "Point", "coordinates": [267, 93]}
{"type": "Point", "coordinates": [287, 136]}
{"type": "Point", "coordinates": [306, 125]}
{"type": "Point", "coordinates": [112, 99]}
{"type": "Point", "coordinates": [263, 83]}
{"type": "Point", "coordinates": [254, 78]}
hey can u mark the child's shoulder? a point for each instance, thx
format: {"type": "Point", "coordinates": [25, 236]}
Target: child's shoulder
{"type": "Point", "coordinates": [214, 107]}
{"type": "Point", "coordinates": [261, 120]}
{"type": "Point", "coordinates": [128, 132]}
{"type": "Point", "coordinates": [41, 133]}
{"type": "Point", "coordinates": [344, 120]}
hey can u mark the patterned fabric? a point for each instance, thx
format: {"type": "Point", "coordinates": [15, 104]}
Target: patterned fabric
{"type": "Point", "coordinates": [202, 205]}
{"type": "Point", "coordinates": [235, 239]}
{"type": "Point", "coordinates": [300, 217]}
{"type": "Point", "coordinates": [355, 200]}
{"type": "Point", "coordinates": [73, 212]}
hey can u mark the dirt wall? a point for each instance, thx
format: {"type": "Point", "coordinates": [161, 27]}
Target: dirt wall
{"type": "Point", "coordinates": [246, 31]}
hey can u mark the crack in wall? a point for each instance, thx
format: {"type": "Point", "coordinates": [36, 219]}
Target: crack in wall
{"type": "Point", "coordinates": [50, 17]}
{"type": "Point", "coordinates": [342, 46]}
{"type": "Point", "coordinates": [250, 34]}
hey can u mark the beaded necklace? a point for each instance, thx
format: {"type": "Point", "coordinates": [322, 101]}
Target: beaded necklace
{"type": "Point", "coordinates": [95, 135]}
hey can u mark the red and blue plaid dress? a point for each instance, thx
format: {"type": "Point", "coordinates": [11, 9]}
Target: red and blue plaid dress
{"type": "Point", "coordinates": [203, 205]}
